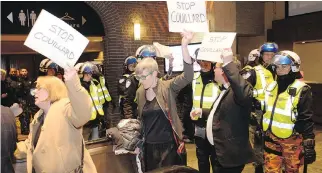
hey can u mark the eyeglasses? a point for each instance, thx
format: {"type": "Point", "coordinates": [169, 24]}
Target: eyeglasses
{"type": "Point", "coordinates": [143, 77]}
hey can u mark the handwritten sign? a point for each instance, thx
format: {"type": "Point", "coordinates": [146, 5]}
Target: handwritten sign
{"type": "Point", "coordinates": [162, 50]}
{"type": "Point", "coordinates": [187, 14]}
{"type": "Point", "coordinates": [55, 39]}
{"type": "Point", "coordinates": [214, 44]}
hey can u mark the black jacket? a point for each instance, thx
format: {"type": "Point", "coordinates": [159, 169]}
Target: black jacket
{"type": "Point", "coordinates": [231, 120]}
{"type": "Point", "coordinates": [8, 139]}
{"type": "Point", "coordinates": [129, 105]}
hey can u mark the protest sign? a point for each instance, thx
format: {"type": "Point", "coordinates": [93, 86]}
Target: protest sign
{"type": "Point", "coordinates": [187, 14]}
{"type": "Point", "coordinates": [214, 44]}
{"type": "Point", "coordinates": [162, 50]}
{"type": "Point", "coordinates": [55, 39]}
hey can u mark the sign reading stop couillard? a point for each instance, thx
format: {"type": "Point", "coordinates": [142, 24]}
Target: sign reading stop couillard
{"type": "Point", "coordinates": [214, 44]}
{"type": "Point", "coordinates": [187, 14]}
{"type": "Point", "coordinates": [55, 39]}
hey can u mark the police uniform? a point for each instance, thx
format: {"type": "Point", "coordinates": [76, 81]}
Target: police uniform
{"type": "Point", "coordinates": [104, 98]}
{"type": "Point", "coordinates": [121, 87]}
{"type": "Point", "coordinates": [129, 104]}
{"type": "Point", "coordinates": [259, 77]}
{"type": "Point", "coordinates": [97, 109]}
{"type": "Point", "coordinates": [286, 123]}
{"type": "Point", "coordinates": [204, 95]}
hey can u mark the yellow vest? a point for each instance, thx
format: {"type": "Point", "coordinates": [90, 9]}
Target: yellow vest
{"type": "Point", "coordinates": [93, 92]}
{"type": "Point", "coordinates": [280, 118]}
{"type": "Point", "coordinates": [210, 94]}
{"type": "Point", "coordinates": [263, 78]}
{"type": "Point", "coordinates": [102, 91]}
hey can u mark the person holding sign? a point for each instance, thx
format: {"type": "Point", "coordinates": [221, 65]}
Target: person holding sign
{"type": "Point", "coordinates": [227, 122]}
{"type": "Point", "coordinates": [55, 143]}
{"type": "Point", "coordinates": [205, 93]}
{"type": "Point", "coordinates": [162, 129]}
{"type": "Point", "coordinates": [287, 121]}
{"type": "Point", "coordinates": [259, 73]}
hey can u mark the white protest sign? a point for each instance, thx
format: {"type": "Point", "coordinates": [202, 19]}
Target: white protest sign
{"type": "Point", "coordinates": [214, 43]}
{"type": "Point", "coordinates": [187, 14]}
{"type": "Point", "coordinates": [162, 50]}
{"type": "Point", "coordinates": [55, 39]}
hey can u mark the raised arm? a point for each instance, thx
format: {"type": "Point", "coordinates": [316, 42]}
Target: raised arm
{"type": "Point", "coordinates": [187, 76]}
{"type": "Point", "coordinates": [79, 112]}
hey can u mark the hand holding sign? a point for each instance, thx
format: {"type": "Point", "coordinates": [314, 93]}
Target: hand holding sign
{"type": "Point", "coordinates": [227, 56]}
{"type": "Point", "coordinates": [55, 39]}
{"type": "Point", "coordinates": [186, 37]}
{"type": "Point", "coordinates": [70, 73]}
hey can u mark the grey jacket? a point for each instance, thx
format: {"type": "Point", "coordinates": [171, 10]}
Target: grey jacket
{"type": "Point", "coordinates": [166, 93]}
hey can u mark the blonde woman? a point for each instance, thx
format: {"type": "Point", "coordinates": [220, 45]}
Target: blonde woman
{"type": "Point", "coordinates": [55, 143]}
{"type": "Point", "coordinates": [162, 129]}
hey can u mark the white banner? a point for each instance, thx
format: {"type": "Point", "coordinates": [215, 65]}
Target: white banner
{"type": "Point", "coordinates": [190, 15]}
{"type": "Point", "coordinates": [55, 39]}
{"type": "Point", "coordinates": [214, 44]}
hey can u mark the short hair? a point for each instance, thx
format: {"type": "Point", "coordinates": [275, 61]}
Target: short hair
{"type": "Point", "coordinates": [146, 64]}
{"type": "Point", "coordinates": [54, 86]}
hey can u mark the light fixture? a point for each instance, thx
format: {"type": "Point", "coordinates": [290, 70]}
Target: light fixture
{"type": "Point", "coordinates": [137, 31]}
{"type": "Point", "coordinates": [303, 42]}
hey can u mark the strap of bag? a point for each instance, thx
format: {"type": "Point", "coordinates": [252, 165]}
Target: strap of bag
{"type": "Point", "coordinates": [179, 143]}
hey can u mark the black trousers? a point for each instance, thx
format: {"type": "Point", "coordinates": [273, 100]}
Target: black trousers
{"type": "Point", "coordinates": [220, 169]}
{"type": "Point", "coordinates": [160, 155]}
{"type": "Point", "coordinates": [204, 151]}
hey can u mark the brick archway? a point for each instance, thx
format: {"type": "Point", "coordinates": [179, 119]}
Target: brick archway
{"type": "Point", "coordinates": [113, 43]}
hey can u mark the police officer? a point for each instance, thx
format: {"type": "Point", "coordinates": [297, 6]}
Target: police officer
{"type": "Point", "coordinates": [287, 121]}
{"type": "Point", "coordinates": [128, 68]}
{"type": "Point", "coordinates": [259, 73]}
{"type": "Point", "coordinates": [27, 101]}
{"type": "Point", "coordinates": [104, 97]}
{"type": "Point", "coordinates": [205, 92]}
{"type": "Point", "coordinates": [43, 66]}
{"type": "Point", "coordinates": [90, 129]}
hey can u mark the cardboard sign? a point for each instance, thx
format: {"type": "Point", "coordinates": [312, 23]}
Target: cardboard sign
{"type": "Point", "coordinates": [187, 14]}
{"type": "Point", "coordinates": [162, 50]}
{"type": "Point", "coordinates": [55, 39]}
{"type": "Point", "coordinates": [214, 44]}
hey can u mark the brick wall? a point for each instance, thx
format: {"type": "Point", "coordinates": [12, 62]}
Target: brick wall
{"type": "Point", "coordinates": [118, 19]}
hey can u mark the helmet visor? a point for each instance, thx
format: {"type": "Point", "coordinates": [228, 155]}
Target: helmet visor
{"type": "Point", "coordinates": [281, 60]}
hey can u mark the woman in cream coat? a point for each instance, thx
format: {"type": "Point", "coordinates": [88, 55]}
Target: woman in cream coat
{"type": "Point", "coordinates": [56, 146]}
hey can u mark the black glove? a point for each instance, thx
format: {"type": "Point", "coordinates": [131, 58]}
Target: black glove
{"type": "Point", "coordinates": [309, 151]}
